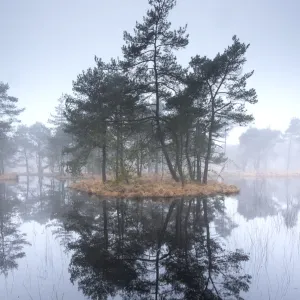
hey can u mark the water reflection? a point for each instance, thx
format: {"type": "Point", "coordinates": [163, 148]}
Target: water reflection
{"type": "Point", "coordinates": [269, 197]}
{"type": "Point", "coordinates": [267, 212]}
{"type": "Point", "coordinates": [63, 244]}
{"type": "Point", "coordinates": [148, 250]}
{"type": "Point", "coordinates": [12, 240]}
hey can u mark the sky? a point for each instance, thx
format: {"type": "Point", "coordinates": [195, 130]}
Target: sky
{"type": "Point", "coordinates": [44, 45]}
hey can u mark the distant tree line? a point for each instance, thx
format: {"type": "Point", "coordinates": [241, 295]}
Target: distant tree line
{"type": "Point", "coordinates": [261, 149]}
{"type": "Point", "coordinates": [144, 110]}
{"type": "Point", "coordinates": [36, 147]}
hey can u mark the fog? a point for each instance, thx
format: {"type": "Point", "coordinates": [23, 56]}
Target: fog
{"type": "Point", "coordinates": [265, 150]}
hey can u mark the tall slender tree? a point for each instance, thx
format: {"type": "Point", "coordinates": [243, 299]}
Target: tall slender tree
{"type": "Point", "coordinates": [149, 58]}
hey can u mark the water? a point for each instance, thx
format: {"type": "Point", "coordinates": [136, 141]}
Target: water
{"type": "Point", "coordinates": [59, 244]}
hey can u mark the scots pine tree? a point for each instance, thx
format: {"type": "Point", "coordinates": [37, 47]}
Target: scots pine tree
{"type": "Point", "coordinates": [149, 58]}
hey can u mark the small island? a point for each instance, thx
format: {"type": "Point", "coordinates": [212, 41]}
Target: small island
{"type": "Point", "coordinates": [152, 188]}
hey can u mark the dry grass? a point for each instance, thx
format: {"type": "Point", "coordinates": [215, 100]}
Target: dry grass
{"type": "Point", "coordinates": [144, 188]}
{"type": "Point", "coordinates": [270, 174]}
{"type": "Point", "coordinates": [9, 177]}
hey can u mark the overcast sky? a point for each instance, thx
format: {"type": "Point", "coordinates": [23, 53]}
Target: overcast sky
{"type": "Point", "coordinates": [45, 44]}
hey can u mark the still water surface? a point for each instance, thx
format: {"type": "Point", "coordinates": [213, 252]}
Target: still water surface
{"type": "Point", "coordinates": [59, 244]}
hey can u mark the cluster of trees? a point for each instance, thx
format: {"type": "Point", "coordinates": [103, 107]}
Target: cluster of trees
{"type": "Point", "coordinates": [146, 110]}
{"type": "Point", "coordinates": [268, 149]}
{"type": "Point", "coordinates": [36, 147]}
{"type": "Point", "coordinates": [147, 107]}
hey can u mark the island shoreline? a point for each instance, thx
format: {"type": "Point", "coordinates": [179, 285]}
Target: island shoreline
{"type": "Point", "coordinates": [152, 189]}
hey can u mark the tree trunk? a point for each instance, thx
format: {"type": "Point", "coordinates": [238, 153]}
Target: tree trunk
{"type": "Point", "coordinates": [189, 164]}
{"type": "Point", "coordinates": [123, 171]}
{"type": "Point", "coordinates": [289, 155]}
{"type": "Point", "coordinates": [199, 175]}
{"type": "Point", "coordinates": [179, 159]}
{"type": "Point", "coordinates": [141, 163]}
{"type": "Point", "coordinates": [26, 163]}
{"type": "Point", "coordinates": [167, 157]}
{"type": "Point", "coordinates": [156, 162]}
{"type": "Point", "coordinates": [1, 166]}
{"type": "Point", "coordinates": [157, 119]}
{"type": "Point", "coordinates": [61, 163]}
{"type": "Point", "coordinates": [208, 154]}
{"type": "Point", "coordinates": [162, 165]}
{"type": "Point", "coordinates": [104, 157]}
{"type": "Point", "coordinates": [138, 166]}
{"type": "Point", "coordinates": [117, 154]}
{"type": "Point", "coordinates": [149, 165]}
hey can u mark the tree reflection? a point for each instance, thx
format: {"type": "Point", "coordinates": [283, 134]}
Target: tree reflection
{"type": "Point", "coordinates": [152, 250]}
{"type": "Point", "coordinates": [291, 211]}
{"type": "Point", "coordinates": [262, 197]}
{"type": "Point", "coordinates": [256, 198]}
{"type": "Point", "coordinates": [11, 240]}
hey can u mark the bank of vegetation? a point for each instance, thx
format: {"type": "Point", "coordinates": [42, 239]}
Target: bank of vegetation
{"type": "Point", "coordinates": [142, 113]}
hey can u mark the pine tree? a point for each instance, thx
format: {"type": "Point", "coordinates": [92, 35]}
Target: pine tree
{"type": "Point", "coordinates": [149, 58]}
{"type": "Point", "coordinates": [223, 89]}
